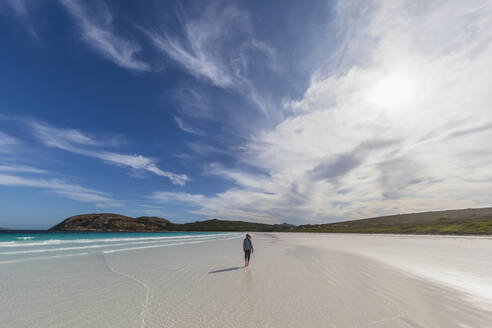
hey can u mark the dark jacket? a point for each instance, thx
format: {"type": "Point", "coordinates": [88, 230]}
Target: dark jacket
{"type": "Point", "coordinates": [247, 245]}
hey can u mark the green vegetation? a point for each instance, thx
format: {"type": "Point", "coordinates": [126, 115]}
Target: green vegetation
{"type": "Point", "coordinates": [111, 222]}
{"type": "Point", "coordinates": [468, 222]}
{"type": "Point", "coordinates": [222, 225]}
{"type": "Point", "coordinates": [462, 222]}
{"type": "Point", "coordinates": [116, 222]}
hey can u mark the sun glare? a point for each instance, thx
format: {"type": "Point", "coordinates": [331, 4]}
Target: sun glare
{"type": "Point", "coordinates": [392, 91]}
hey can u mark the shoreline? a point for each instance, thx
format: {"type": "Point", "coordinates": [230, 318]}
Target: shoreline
{"type": "Point", "coordinates": [478, 235]}
{"type": "Point", "coordinates": [293, 280]}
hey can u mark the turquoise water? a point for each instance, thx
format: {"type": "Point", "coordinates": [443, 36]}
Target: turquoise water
{"type": "Point", "coordinates": [25, 246]}
{"type": "Point", "coordinates": [83, 280]}
{"type": "Point", "coordinates": [20, 237]}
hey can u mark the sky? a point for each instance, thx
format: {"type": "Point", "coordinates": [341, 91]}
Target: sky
{"type": "Point", "coordinates": [279, 111]}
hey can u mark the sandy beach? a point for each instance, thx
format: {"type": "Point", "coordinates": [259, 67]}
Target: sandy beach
{"type": "Point", "coordinates": [294, 280]}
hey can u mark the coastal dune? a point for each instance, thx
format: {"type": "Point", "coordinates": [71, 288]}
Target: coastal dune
{"type": "Point", "coordinates": [294, 280]}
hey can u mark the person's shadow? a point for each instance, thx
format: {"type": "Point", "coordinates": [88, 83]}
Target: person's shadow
{"type": "Point", "coordinates": [225, 270]}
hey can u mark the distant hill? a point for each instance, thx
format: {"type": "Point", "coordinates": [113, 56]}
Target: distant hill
{"type": "Point", "coordinates": [119, 223]}
{"type": "Point", "coordinates": [111, 222]}
{"type": "Point", "coordinates": [467, 221]}
{"type": "Point", "coordinates": [222, 225]}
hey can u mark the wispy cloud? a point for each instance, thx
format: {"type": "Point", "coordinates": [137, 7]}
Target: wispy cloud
{"type": "Point", "coordinates": [196, 51]}
{"type": "Point", "coordinates": [167, 196]}
{"type": "Point", "coordinates": [221, 206]}
{"type": "Point", "coordinates": [21, 9]}
{"type": "Point", "coordinates": [204, 149]}
{"type": "Point", "coordinates": [19, 168]}
{"type": "Point", "coordinates": [96, 28]}
{"type": "Point", "coordinates": [18, 7]}
{"type": "Point", "coordinates": [471, 130]}
{"type": "Point", "coordinates": [140, 162]}
{"type": "Point", "coordinates": [187, 127]}
{"type": "Point", "coordinates": [335, 166]}
{"type": "Point", "coordinates": [72, 191]}
{"type": "Point", "coordinates": [215, 48]}
{"type": "Point", "coordinates": [77, 142]}
{"type": "Point", "coordinates": [7, 143]}
{"type": "Point", "coordinates": [358, 142]}
{"type": "Point", "coordinates": [66, 139]}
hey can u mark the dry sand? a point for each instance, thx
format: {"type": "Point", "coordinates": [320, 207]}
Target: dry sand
{"type": "Point", "coordinates": [294, 280]}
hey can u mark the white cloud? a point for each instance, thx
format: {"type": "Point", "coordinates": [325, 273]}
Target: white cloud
{"type": "Point", "coordinates": [228, 205]}
{"type": "Point", "coordinates": [97, 30]}
{"type": "Point", "coordinates": [167, 196]}
{"type": "Point", "coordinates": [80, 143]}
{"type": "Point", "coordinates": [19, 168]}
{"type": "Point", "coordinates": [198, 51]}
{"type": "Point", "coordinates": [402, 125]}
{"type": "Point", "coordinates": [66, 139]}
{"type": "Point", "coordinates": [71, 191]}
{"type": "Point", "coordinates": [7, 143]}
{"type": "Point", "coordinates": [205, 149]}
{"type": "Point", "coordinates": [215, 48]}
{"type": "Point", "coordinates": [186, 127]}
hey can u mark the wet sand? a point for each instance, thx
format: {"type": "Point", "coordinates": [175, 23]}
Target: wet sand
{"type": "Point", "coordinates": [294, 280]}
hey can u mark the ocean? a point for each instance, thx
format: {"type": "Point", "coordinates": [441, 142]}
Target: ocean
{"type": "Point", "coordinates": [38, 245]}
{"type": "Point", "coordinates": [59, 279]}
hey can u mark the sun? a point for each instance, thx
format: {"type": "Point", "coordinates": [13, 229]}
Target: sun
{"type": "Point", "coordinates": [392, 91]}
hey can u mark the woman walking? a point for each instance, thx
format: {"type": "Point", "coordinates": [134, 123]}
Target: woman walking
{"type": "Point", "coordinates": [248, 249]}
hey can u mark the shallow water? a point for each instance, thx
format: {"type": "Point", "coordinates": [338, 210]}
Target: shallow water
{"type": "Point", "coordinates": [27, 246]}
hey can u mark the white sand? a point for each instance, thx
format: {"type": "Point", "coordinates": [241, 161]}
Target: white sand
{"type": "Point", "coordinates": [295, 280]}
{"type": "Point", "coordinates": [460, 262]}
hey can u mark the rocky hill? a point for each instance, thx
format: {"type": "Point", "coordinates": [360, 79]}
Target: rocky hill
{"type": "Point", "coordinates": [111, 222]}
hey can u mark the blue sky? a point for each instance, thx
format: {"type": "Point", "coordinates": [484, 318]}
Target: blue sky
{"type": "Point", "coordinates": [285, 111]}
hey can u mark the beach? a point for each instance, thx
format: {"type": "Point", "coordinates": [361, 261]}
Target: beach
{"type": "Point", "coordinates": [294, 280]}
